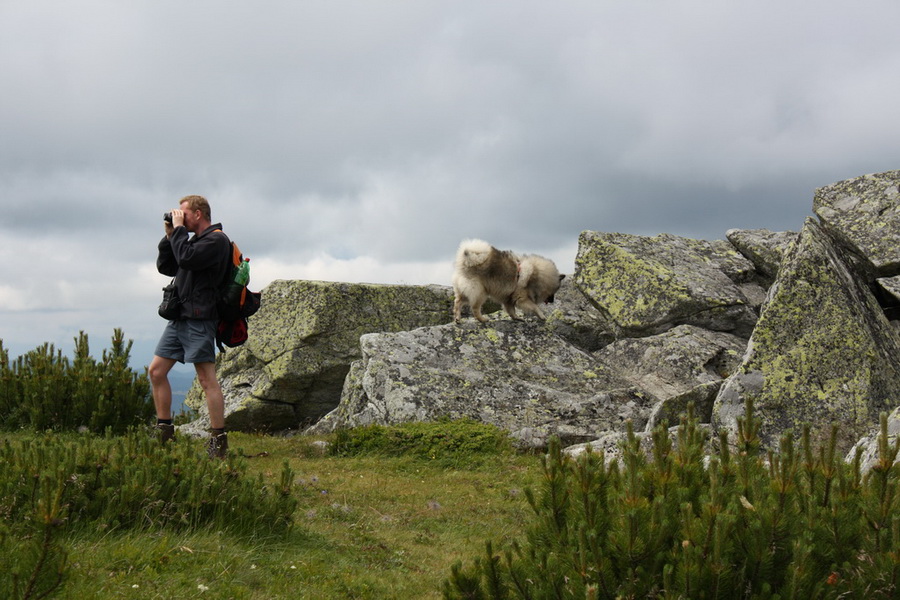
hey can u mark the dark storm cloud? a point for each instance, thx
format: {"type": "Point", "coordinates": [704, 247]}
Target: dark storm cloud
{"type": "Point", "coordinates": [362, 140]}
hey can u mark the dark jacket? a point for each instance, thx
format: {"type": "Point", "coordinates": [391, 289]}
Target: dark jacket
{"type": "Point", "coordinates": [199, 265]}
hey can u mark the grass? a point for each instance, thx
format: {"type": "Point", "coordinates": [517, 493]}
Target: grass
{"type": "Point", "coordinates": [367, 526]}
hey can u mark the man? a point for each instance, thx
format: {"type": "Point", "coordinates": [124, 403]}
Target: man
{"type": "Point", "coordinates": [199, 264]}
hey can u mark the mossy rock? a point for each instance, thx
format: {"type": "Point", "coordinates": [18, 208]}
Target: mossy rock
{"type": "Point", "coordinates": [863, 214]}
{"type": "Point", "coordinates": [822, 351]}
{"type": "Point", "coordinates": [302, 341]}
{"type": "Point", "coordinates": [515, 375]}
{"type": "Point", "coordinates": [649, 285]}
{"type": "Point", "coordinates": [764, 248]}
{"type": "Point", "coordinates": [683, 365]}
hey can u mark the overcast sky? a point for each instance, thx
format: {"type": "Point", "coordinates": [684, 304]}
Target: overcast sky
{"type": "Point", "coordinates": [361, 141]}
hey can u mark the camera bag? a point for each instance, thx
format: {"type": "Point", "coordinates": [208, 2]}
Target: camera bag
{"type": "Point", "coordinates": [170, 307]}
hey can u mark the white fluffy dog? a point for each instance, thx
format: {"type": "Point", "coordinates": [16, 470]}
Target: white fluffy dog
{"type": "Point", "coordinates": [481, 272]}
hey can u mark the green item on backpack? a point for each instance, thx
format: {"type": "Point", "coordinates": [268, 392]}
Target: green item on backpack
{"type": "Point", "coordinates": [236, 302]}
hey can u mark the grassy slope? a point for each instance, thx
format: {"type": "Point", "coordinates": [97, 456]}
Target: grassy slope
{"type": "Point", "coordinates": [366, 527]}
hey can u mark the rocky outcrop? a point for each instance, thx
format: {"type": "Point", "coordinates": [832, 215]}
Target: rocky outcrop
{"type": "Point", "coordinates": [799, 323]}
{"type": "Point", "coordinates": [516, 375]}
{"type": "Point", "coordinates": [863, 216]}
{"type": "Point", "coordinates": [764, 248]}
{"type": "Point", "coordinates": [292, 368]}
{"type": "Point", "coordinates": [576, 320]}
{"type": "Point", "coordinates": [684, 365]}
{"type": "Point", "coordinates": [822, 351]}
{"type": "Point", "coordinates": [868, 446]}
{"type": "Point", "coordinates": [524, 378]}
{"type": "Point", "coordinates": [648, 285]}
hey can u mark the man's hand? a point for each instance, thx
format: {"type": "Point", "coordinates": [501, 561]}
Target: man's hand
{"type": "Point", "coordinates": [177, 221]}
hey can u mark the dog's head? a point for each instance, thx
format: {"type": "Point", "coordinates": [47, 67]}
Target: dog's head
{"type": "Point", "coordinates": [552, 296]}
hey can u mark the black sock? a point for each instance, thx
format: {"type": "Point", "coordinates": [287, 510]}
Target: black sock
{"type": "Point", "coordinates": [217, 432]}
{"type": "Point", "coordinates": [164, 421]}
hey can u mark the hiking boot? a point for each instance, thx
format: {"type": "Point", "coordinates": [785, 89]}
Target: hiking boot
{"type": "Point", "coordinates": [165, 432]}
{"type": "Point", "coordinates": [217, 445]}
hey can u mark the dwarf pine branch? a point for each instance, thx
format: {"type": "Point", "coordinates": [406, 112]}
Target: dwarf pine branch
{"type": "Point", "coordinates": [691, 519]}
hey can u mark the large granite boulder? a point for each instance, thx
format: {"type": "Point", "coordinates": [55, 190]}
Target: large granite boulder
{"type": "Point", "coordinates": [863, 215]}
{"type": "Point", "coordinates": [764, 248]}
{"type": "Point", "coordinates": [302, 341]}
{"type": "Point", "coordinates": [648, 285]}
{"type": "Point", "coordinates": [530, 381]}
{"type": "Point", "coordinates": [822, 351]}
{"type": "Point", "coordinates": [684, 365]}
{"type": "Point", "coordinates": [513, 374]}
{"type": "Point", "coordinates": [574, 318]}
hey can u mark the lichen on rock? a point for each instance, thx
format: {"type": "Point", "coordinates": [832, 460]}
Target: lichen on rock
{"type": "Point", "coordinates": [822, 351]}
{"type": "Point", "coordinates": [302, 341]}
{"type": "Point", "coordinates": [863, 214]}
{"type": "Point", "coordinates": [648, 285]}
{"type": "Point", "coordinates": [516, 375]}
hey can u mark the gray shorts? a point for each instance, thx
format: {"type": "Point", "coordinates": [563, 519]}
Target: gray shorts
{"type": "Point", "coordinates": [188, 341]}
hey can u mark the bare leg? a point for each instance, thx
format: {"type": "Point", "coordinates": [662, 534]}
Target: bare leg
{"type": "Point", "coordinates": [158, 371]}
{"type": "Point", "coordinates": [215, 401]}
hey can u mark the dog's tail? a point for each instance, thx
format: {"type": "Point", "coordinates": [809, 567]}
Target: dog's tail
{"type": "Point", "coordinates": [472, 253]}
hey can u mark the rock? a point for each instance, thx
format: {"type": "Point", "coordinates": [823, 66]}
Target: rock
{"type": "Point", "coordinates": [516, 375]}
{"type": "Point", "coordinates": [863, 214]}
{"type": "Point", "coordinates": [670, 410]}
{"type": "Point", "coordinates": [868, 446]}
{"type": "Point", "coordinates": [685, 364]}
{"type": "Point", "coordinates": [648, 285]}
{"type": "Point", "coordinates": [891, 286]}
{"type": "Point", "coordinates": [611, 443]}
{"type": "Point", "coordinates": [302, 341]}
{"type": "Point", "coordinates": [764, 248]}
{"type": "Point", "coordinates": [822, 351]}
{"type": "Point", "coordinates": [578, 321]}
{"type": "Point", "coordinates": [887, 291]}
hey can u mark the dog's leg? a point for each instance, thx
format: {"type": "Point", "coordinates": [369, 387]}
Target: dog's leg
{"type": "Point", "coordinates": [476, 310]}
{"type": "Point", "coordinates": [528, 306]}
{"type": "Point", "coordinates": [510, 308]}
{"type": "Point", "coordinates": [457, 308]}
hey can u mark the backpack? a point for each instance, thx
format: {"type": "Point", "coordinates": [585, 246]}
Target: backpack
{"type": "Point", "coordinates": [234, 304]}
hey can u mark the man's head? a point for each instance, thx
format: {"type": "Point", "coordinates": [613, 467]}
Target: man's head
{"type": "Point", "coordinates": [197, 213]}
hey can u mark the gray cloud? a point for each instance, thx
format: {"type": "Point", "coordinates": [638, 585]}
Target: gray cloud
{"type": "Point", "coordinates": [358, 139]}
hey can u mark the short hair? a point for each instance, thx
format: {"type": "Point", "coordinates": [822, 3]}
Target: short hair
{"type": "Point", "coordinates": [198, 203]}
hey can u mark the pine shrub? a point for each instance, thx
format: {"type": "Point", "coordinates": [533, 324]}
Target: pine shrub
{"type": "Point", "coordinates": [44, 390]}
{"type": "Point", "coordinates": [32, 558]}
{"type": "Point", "coordinates": [53, 486]}
{"type": "Point", "coordinates": [131, 481]}
{"type": "Point", "coordinates": [688, 522]}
